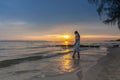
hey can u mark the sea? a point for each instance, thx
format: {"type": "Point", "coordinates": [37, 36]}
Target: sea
{"type": "Point", "coordinates": [38, 60]}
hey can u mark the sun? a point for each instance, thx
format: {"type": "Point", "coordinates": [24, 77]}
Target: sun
{"type": "Point", "coordinates": [66, 36]}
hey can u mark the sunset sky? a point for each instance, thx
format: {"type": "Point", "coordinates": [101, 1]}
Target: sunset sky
{"type": "Point", "coordinates": [52, 20]}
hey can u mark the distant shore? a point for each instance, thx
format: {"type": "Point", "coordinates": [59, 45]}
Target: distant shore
{"type": "Point", "coordinates": [107, 68]}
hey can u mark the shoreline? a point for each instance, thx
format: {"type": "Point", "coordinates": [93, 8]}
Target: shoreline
{"type": "Point", "coordinates": [104, 68]}
{"type": "Point", "coordinates": [84, 65]}
{"type": "Point", "coordinates": [107, 68]}
{"type": "Point", "coordinates": [94, 65]}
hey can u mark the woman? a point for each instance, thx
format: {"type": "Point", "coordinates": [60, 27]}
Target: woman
{"type": "Point", "coordinates": [77, 44]}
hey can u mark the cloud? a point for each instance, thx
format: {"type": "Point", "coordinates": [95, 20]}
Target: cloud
{"type": "Point", "coordinates": [12, 23]}
{"type": "Point", "coordinates": [47, 12]}
{"type": "Point", "coordinates": [20, 19]}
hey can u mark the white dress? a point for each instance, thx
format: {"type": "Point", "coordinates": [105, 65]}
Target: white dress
{"type": "Point", "coordinates": [77, 45]}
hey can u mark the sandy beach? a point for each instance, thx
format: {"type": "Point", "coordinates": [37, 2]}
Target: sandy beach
{"type": "Point", "coordinates": [107, 68]}
{"type": "Point", "coordinates": [81, 73]}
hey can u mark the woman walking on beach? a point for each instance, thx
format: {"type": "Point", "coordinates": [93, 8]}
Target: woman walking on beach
{"type": "Point", "coordinates": [77, 44]}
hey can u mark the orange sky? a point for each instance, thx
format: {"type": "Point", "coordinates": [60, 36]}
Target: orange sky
{"type": "Point", "coordinates": [51, 20]}
{"type": "Point", "coordinates": [68, 37]}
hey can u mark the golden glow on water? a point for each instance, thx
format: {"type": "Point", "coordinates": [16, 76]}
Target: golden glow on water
{"type": "Point", "coordinates": [66, 42]}
{"type": "Point", "coordinates": [66, 64]}
{"type": "Point", "coordinates": [66, 50]}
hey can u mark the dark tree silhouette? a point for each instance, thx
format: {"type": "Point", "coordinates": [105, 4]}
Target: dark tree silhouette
{"type": "Point", "coordinates": [109, 9]}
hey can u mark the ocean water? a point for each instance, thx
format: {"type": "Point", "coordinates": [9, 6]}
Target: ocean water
{"type": "Point", "coordinates": [37, 60]}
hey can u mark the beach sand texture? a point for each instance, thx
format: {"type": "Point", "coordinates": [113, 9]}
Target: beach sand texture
{"type": "Point", "coordinates": [107, 68]}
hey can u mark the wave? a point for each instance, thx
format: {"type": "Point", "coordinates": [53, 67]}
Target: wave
{"type": "Point", "coordinates": [34, 47]}
{"type": "Point", "coordinates": [11, 62]}
{"type": "Point", "coordinates": [42, 46]}
{"type": "Point", "coordinates": [16, 48]}
{"type": "Point", "coordinates": [48, 46]}
{"type": "Point", "coordinates": [11, 49]}
{"type": "Point", "coordinates": [2, 48]}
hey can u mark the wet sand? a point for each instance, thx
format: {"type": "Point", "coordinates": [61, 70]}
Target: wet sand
{"type": "Point", "coordinates": [85, 64]}
{"type": "Point", "coordinates": [94, 65]}
{"type": "Point", "coordinates": [104, 68]}
{"type": "Point", "coordinates": [107, 68]}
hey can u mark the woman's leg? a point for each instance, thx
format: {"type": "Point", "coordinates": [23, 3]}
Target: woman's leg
{"type": "Point", "coordinates": [74, 54]}
{"type": "Point", "coordinates": [78, 55]}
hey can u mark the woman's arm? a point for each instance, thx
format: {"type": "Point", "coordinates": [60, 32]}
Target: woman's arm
{"type": "Point", "coordinates": [76, 40]}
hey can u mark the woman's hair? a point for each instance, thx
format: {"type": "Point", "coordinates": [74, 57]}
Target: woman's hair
{"type": "Point", "coordinates": [76, 32]}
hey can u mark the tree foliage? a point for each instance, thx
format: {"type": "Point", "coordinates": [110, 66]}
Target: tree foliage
{"type": "Point", "coordinates": [109, 8]}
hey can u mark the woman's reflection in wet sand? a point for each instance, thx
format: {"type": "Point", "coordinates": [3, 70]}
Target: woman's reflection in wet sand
{"type": "Point", "coordinates": [76, 63]}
